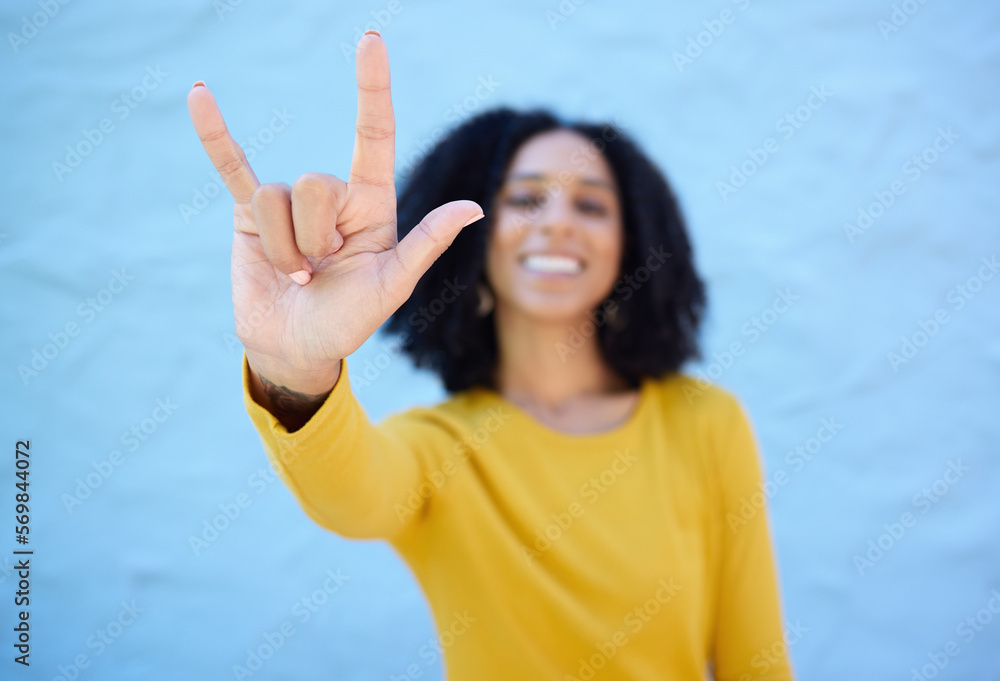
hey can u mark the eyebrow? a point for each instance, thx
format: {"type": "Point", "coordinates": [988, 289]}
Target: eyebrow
{"type": "Point", "coordinates": [535, 176]}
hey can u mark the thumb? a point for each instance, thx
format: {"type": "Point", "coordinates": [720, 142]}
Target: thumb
{"type": "Point", "coordinates": [425, 243]}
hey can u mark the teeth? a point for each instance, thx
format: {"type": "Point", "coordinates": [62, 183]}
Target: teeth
{"type": "Point", "coordinates": [554, 264]}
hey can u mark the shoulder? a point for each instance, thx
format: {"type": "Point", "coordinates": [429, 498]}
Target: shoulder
{"type": "Point", "coordinates": [458, 413]}
{"type": "Point", "coordinates": [713, 419]}
{"type": "Point", "coordinates": [697, 402]}
{"type": "Point", "coordinates": [717, 431]}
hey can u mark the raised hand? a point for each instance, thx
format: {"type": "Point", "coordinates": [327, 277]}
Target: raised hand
{"type": "Point", "coordinates": [316, 267]}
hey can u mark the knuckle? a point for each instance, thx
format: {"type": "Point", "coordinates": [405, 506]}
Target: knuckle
{"type": "Point", "coordinates": [214, 136]}
{"type": "Point", "coordinates": [312, 184]}
{"type": "Point", "coordinates": [311, 247]}
{"type": "Point", "coordinates": [365, 87]}
{"type": "Point", "coordinates": [316, 189]}
{"type": "Point", "coordinates": [360, 177]}
{"type": "Point", "coordinates": [376, 132]}
{"type": "Point", "coordinates": [425, 230]}
{"type": "Point", "coordinates": [285, 265]}
{"type": "Point", "coordinates": [231, 167]}
{"type": "Point", "coordinates": [269, 192]}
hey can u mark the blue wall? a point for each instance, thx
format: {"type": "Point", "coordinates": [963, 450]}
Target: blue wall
{"type": "Point", "coordinates": [107, 247]}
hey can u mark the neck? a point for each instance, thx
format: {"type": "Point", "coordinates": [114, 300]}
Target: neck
{"type": "Point", "coordinates": [544, 363]}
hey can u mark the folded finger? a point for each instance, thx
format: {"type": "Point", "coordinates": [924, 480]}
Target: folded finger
{"type": "Point", "coordinates": [317, 200]}
{"type": "Point", "coordinates": [272, 211]}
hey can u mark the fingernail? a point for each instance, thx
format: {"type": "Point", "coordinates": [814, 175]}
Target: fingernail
{"type": "Point", "coordinates": [478, 217]}
{"type": "Point", "coordinates": [372, 30]}
{"type": "Point", "coordinates": [301, 277]}
{"type": "Point", "coordinates": [199, 83]}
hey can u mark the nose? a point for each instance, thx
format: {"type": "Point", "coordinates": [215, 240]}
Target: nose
{"type": "Point", "coordinates": [555, 214]}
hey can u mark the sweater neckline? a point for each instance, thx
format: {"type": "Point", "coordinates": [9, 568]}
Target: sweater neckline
{"type": "Point", "coordinates": [615, 433]}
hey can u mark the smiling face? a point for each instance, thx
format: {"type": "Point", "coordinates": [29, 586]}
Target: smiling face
{"type": "Point", "coordinates": [557, 235]}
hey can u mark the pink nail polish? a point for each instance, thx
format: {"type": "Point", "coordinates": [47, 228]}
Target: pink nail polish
{"type": "Point", "coordinates": [302, 277]}
{"type": "Point", "coordinates": [478, 217]}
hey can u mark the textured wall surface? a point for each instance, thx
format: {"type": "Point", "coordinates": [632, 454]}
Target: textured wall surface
{"type": "Point", "coordinates": [844, 156]}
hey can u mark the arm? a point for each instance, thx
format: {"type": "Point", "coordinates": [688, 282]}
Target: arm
{"type": "Point", "coordinates": [749, 638]}
{"type": "Point", "coordinates": [317, 268]}
{"type": "Point", "coordinates": [351, 477]}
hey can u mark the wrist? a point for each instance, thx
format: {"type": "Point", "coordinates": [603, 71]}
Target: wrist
{"type": "Point", "coordinates": [313, 380]}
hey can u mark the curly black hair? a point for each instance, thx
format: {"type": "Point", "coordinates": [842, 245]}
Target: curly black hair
{"type": "Point", "coordinates": [656, 329]}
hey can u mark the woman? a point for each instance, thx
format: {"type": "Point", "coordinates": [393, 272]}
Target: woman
{"type": "Point", "coordinates": [577, 508]}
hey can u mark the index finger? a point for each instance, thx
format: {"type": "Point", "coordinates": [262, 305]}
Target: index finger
{"type": "Point", "coordinates": [374, 143]}
{"type": "Point", "coordinates": [226, 155]}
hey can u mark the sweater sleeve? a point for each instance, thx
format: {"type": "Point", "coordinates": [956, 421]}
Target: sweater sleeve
{"type": "Point", "coordinates": [749, 643]}
{"type": "Point", "coordinates": [351, 477]}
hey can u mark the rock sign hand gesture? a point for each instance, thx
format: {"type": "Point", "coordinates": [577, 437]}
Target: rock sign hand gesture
{"type": "Point", "coordinates": [316, 267]}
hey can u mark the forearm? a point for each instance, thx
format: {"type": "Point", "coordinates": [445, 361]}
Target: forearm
{"type": "Point", "coordinates": [350, 476]}
{"type": "Point", "coordinates": [292, 395]}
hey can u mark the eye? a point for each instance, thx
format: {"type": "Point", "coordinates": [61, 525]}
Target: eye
{"type": "Point", "coordinates": [524, 200]}
{"type": "Point", "coordinates": [592, 207]}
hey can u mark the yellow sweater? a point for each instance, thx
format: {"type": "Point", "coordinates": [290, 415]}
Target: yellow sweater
{"type": "Point", "coordinates": [637, 553]}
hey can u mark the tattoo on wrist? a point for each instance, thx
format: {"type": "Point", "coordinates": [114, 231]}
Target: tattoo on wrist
{"type": "Point", "coordinates": [292, 408]}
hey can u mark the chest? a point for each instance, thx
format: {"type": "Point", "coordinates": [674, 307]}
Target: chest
{"type": "Point", "coordinates": [609, 523]}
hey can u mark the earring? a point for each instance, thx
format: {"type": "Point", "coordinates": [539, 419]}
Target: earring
{"type": "Point", "coordinates": [486, 300]}
{"type": "Point", "coordinates": [614, 321]}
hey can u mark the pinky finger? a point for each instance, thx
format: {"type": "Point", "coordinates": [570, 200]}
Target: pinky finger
{"type": "Point", "coordinates": [272, 211]}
